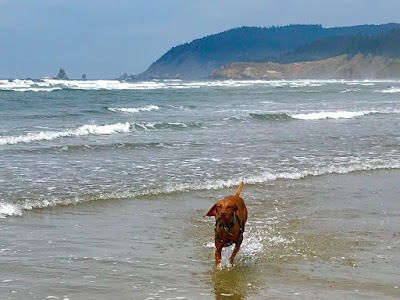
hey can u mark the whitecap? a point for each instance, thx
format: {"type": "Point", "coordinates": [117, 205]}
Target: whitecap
{"type": "Point", "coordinates": [132, 110]}
{"type": "Point", "coordinates": [330, 115]}
{"type": "Point", "coordinates": [9, 209]}
{"type": "Point", "coordinates": [390, 90]}
{"type": "Point", "coordinates": [80, 131]}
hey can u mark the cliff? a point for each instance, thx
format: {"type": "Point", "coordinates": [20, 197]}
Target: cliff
{"type": "Point", "coordinates": [339, 67]}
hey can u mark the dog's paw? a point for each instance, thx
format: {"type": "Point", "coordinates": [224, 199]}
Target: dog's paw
{"type": "Point", "coordinates": [230, 265]}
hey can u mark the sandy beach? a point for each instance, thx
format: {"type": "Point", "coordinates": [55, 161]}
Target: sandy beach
{"type": "Point", "coordinates": [329, 237]}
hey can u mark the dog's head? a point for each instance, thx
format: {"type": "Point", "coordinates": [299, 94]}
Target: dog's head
{"type": "Point", "coordinates": [224, 211]}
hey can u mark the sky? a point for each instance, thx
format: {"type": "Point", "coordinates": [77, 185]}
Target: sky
{"type": "Point", "coordinates": [104, 39]}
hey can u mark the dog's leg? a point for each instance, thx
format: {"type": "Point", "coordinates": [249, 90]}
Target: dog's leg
{"type": "Point", "coordinates": [218, 254]}
{"type": "Point", "coordinates": [235, 251]}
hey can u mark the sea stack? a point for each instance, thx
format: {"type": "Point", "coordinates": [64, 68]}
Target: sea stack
{"type": "Point", "coordinates": [62, 75]}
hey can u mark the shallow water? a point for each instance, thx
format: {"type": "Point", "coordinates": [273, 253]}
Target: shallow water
{"type": "Point", "coordinates": [105, 184]}
{"type": "Point", "coordinates": [303, 240]}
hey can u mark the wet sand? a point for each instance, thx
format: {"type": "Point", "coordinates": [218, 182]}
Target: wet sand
{"type": "Point", "coordinates": [326, 237]}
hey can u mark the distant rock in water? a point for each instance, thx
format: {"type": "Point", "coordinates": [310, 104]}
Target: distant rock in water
{"type": "Point", "coordinates": [126, 77]}
{"type": "Point", "coordinates": [83, 76]}
{"type": "Point", "coordinates": [62, 75]}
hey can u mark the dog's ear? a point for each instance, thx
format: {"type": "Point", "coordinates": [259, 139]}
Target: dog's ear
{"type": "Point", "coordinates": [212, 211]}
{"type": "Point", "coordinates": [236, 211]}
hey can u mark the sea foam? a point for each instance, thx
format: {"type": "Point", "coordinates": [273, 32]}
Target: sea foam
{"type": "Point", "coordinates": [93, 129]}
{"type": "Point", "coordinates": [390, 90]}
{"type": "Point", "coordinates": [331, 115]}
{"type": "Point", "coordinates": [9, 209]}
{"type": "Point", "coordinates": [81, 131]}
{"type": "Point", "coordinates": [320, 115]}
{"type": "Point", "coordinates": [49, 85]}
{"type": "Point", "coordinates": [133, 110]}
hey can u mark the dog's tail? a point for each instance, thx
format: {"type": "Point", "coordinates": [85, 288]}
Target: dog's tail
{"type": "Point", "coordinates": [239, 189]}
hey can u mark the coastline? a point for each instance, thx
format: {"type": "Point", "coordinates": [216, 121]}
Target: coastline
{"type": "Point", "coordinates": [357, 67]}
{"type": "Point", "coordinates": [328, 236]}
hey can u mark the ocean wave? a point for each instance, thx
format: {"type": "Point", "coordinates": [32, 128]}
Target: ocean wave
{"type": "Point", "coordinates": [92, 129]}
{"type": "Point", "coordinates": [331, 115]}
{"type": "Point", "coordinates": [161, 126]}
{"type": "Point", "coordinates": [283, 116]}
{"type": "Point", "coordinates": [271, 116]}
{"type": "Point", "coordinates": [16, 209]}
{"type": "Point", "coordinates": [354, 90]}
{"type": "Point", "coordinates": [390, 90]}
{"type": "Point", "coordinates": [101, 147]}
{"type": "Point", "coordinates": [9, 210]}
{"type": "Point", "coordinates": [111, 146]}
{"type": "Point", "coordinates": [81, 131]}
{"type": "Point", "coordinates": [49, 85]}
{"type": "Point", "coordinates": [133, 110]}
{"type": "Point", "coordinates": [362, 83]}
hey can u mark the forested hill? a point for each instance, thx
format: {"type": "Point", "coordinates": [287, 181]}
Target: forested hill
{"type": "Point", "coordinates": [386, 44]}
{"type": "Point", "coordinates": [199, 58]}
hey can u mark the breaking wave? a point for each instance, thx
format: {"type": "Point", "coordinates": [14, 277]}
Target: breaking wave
{"type": "Point", "coordinates": [50, 85]}
{"type": "Point", "coordinates": [321, 115]}
{"type": "Point", "coordinates": [80, 131]}
{"type": "Point", "coordinates": [271, 116]}
{"type": "Point", "coordinates": [92, 129]}
{"type": "Point", "coordinates": [133, 110]}
{"type": "Point", "coordinates": [331, 115]}
{"type": "Point", "coordinates": [16, 209]}
{"type": "Point", "coordinates": [9, 210]}
{"type": "Point", "coordinates": [390, 90]}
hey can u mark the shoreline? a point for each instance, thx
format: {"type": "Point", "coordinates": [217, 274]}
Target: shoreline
{"type": "Point", "coordinates": [310, 243]}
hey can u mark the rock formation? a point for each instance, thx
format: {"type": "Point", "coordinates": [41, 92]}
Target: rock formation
{"type": "Point", "coordinates": [62, 75]}
{"type": "Point", "coordinates": [126, 77]}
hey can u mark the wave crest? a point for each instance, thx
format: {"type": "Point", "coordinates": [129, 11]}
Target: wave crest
{"type": "Point", "coordinates": [16, 209]}
{"type": "Point", "coordinates": [49, 85]}
{"type": "Point", "coordinates": [81, 131]}
{"type": "Point", "coordinates": [331, 115]}
{"type": "Point", "coordinates": [133, 110]}
{"type": "Point", "coordinates": [92, 129]}
{"type": "Point", "coordinates": [390, 90]}
{"type": "Point", "coordinates": [271, 116]}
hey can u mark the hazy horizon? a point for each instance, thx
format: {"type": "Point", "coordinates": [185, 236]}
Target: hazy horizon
{"type": "Point", "coordinates": [105, 40]}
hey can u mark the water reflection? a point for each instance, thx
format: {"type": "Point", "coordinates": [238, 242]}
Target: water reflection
{"type": "Point", "coordinates": [234, 283]}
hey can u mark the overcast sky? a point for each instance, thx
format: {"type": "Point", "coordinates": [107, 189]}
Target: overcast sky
{"type": "Point", "coordinates": [105, 39]}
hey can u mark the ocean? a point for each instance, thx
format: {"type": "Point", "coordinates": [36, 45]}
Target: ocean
{"type": "Point", "coordinates": [104, 185]}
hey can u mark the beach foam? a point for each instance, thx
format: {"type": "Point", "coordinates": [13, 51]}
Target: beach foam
{"type": "Point", "coordinates": [194, 185]}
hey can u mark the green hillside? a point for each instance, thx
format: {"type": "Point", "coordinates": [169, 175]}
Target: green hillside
{"type": "Point", "coordinates": [199, 58]}
{"type": "Point", "coordinates": [385, 44]}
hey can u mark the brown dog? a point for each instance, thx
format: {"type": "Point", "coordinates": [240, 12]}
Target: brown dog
{"type": "Point", "coordinates": [230, 219]}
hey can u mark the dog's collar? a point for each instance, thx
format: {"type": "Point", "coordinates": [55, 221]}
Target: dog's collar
{"type": "Point", "coordinates": [226, 228]}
